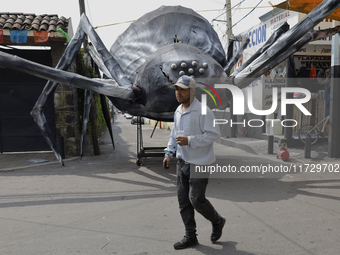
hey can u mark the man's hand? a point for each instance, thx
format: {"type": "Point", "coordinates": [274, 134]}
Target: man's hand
{"type": "Point", "coordinates": [166, 162]}
{"type": "Point", "coordinates": [182, 140]}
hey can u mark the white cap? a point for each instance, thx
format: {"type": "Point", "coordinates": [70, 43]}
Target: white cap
{"type": "Point", "coordinates": [185, 82]}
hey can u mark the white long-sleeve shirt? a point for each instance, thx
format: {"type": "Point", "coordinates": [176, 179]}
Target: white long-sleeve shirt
{"type": "Point", "coordinates": [201, 135]}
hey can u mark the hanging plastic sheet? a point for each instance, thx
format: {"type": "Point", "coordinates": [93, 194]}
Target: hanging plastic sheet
{"type": "Point", "coordinates": [18, 36]}
{"type": "Point", "coordinates": [41, 36]}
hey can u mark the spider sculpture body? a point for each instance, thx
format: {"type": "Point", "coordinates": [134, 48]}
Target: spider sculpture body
{"type": "Point", "coordinates": [156, 50]}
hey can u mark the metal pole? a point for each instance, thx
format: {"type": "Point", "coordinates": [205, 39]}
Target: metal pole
{"type": "Point", "coordinates": [61, 146]}
{"type": "Point", "coordinates": [308, 146]}
{"type": "Point", "coordinates": [288, 131]}
{"type": "Point", "coordinates": [270, 144]}
{"type": "Point", "coordinates": [334, 121]}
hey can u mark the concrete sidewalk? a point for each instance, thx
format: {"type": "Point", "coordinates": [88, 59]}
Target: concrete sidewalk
{"type": "Point", "coordinates": [22, 160]}
{"type": "Point", "coordinates": [17, 161]}
{"type": "Point", "coordinates": [108, 205]}
{"type": "Point", "coordinates": [319, 151]}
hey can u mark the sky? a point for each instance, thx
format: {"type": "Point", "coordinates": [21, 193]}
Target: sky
{"type": "Point", "coordinates": [104, 12]}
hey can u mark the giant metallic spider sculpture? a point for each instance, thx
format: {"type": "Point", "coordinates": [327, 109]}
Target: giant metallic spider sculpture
{"type": "Point", "coordinates": [155, 51]}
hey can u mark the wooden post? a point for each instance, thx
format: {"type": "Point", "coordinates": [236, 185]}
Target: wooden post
{"type": "Point", "coordinates": [93, 111]}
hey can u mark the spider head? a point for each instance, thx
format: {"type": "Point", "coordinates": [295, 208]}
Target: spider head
{"type": "Point", "coordinates": [164, 67]}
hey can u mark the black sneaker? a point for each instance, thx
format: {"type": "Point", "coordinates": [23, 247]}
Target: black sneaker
{"type": "Point", "coordinates": [186, 242]}
{"type": "Point", "coordinates": [217, 230]}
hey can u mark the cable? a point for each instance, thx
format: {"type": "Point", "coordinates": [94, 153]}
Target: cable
{"type": "Point", "coordinates": [248, 13]}
{"type": "Point", "coordinates": [212, 10]}
{"type": "Point", "coordinates": [215, 1]}
{"type": "Point", "coordinates": [118, 23]}
{"type": "Point", "coordinates": [88, 7]}
{"type": "Point", "coordinates": [237, 4]}
{"type": "Point", "coordinates": [231, 9]}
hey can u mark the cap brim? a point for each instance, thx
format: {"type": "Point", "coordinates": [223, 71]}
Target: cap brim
{"type": "Point", "coordinates": [179, 85]}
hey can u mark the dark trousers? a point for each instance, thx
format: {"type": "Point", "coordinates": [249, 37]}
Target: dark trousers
{"type": "Point", "coordinates": [191, 197]}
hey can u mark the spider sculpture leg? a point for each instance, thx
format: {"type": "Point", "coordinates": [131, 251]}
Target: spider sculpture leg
{"type": "Point", "coordinates": [231, 61]}
{"type": "Point", "coordinates": [109, 87]}
{"type": "Point", "coordinates": [104, 56]}
{"type": "Point", "coordinates": [107, 117]}
{"type": "Point", "coordinates": [279, 32]}
{"type": "Point", "coordinates": [49, 89]}
{"type": "Point", "coordinates": [281, 48]}
{"type": "Point", "coordinates": [309, 37]}
{"type": "Point", "coordinates": [87, 103]}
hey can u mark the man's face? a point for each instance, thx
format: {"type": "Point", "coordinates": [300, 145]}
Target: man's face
{"type": "Point", "coordinates": [182, 95]}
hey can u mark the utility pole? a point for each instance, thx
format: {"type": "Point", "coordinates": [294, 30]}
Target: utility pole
{"type": "Point", "coordinates": [229, 33]}
{"type": "Point", "coordinates": [81, 7]}
{"type": "Point", "coordinates": [229, 22]}
{"type": "Point", "coordinates": [93, 111]}
{"type": "Point", "coordinates": [82, 10]}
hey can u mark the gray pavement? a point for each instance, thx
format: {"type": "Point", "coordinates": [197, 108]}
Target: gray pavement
{"type": "Point", "coordinates": [108, 205]}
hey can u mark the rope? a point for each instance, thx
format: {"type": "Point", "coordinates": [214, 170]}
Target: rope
{"type": "Point", "coordinates": [243, 8]}
{"type": "Point", "coordinates": [306, 161]}
{"type": "Point", "coordinates": [272, 6]}
{"type": "Point", "coordinates": [113, 24]}
{"type": "Point", "coordinates": [314, 4]}
{"type": "Point", "coordinates": [290, 153]}
{"type": "Point", "coordinates": [240, 8]}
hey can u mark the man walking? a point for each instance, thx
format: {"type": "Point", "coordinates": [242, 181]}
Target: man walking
{"type": "Point", "coordinates": [192, 135]}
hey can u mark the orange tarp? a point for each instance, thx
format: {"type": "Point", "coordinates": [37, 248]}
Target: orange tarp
{"type": "Point", "coordinates": [305, 6]}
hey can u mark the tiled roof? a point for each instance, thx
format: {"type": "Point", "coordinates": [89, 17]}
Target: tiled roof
{"type": "Point", "coordinates": [28, 21]}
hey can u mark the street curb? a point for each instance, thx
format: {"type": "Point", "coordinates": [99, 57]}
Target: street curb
{"type": "Point", "coordinates": [229, 143]}
{"type": "Point", "coordinates": [35, 165]}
